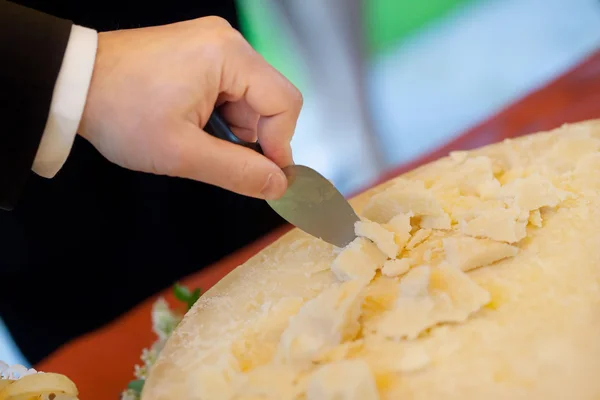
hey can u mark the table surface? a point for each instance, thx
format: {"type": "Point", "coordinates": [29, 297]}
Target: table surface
{"type": "Point", "coordinates": [101, 363]}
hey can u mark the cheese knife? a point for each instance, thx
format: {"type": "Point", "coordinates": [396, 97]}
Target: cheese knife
{"type": "Point", "coordinates": [310, 203]}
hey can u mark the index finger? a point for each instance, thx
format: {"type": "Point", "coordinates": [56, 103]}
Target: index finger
{"type": "Point", "coordinates": [271, 95]}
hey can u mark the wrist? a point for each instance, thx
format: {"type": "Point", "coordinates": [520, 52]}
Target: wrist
{"type": "Point", "coordinates": [88, 111]}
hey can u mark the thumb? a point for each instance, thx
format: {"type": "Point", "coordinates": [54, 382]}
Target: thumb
{"type": "Point", "coordinates": [202, 157]}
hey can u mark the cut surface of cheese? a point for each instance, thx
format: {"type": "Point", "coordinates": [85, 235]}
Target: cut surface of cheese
{"type": "Point", "coordinates": [343, 380]}
{"type": "Point", "coordinates": [428, 297]}
{"type": "Point", "coordinates": [468, 253]}
{"type": "Point", "coordinates": [382, 237]}
{"type": "Point", "coordinates": [360, 260]}
{"type": "Point", "coordinates": [474, 277]}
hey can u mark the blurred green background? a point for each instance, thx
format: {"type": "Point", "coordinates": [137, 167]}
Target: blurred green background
{"type": "Point", "coordinates": [387, 23]}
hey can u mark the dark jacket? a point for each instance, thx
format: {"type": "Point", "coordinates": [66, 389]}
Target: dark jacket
{"type": "Point", "coordinates": [82, 248]}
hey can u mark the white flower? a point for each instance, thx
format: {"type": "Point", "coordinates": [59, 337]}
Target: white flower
{"type": "Point", "coordinates": [140, 372]}
{"type": "Point", "coordinates": [130, 395]}
{"type": "Point", "coordinates": [149, 355]}
{"type": "Point", "coordinates": [164, 320]}
{"type": "Point", "coordinates": [15, 371]}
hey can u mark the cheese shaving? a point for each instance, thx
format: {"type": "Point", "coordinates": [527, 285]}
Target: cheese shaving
{"type": "Point", "coordinates": [360, 260]}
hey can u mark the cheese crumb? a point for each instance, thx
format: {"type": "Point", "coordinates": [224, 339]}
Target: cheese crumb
{"type": "Point", "coordinates": [468, 253]}
{"type": "Point", "coordinates": [360, 260]}
{"type": "Point", "coordinates": [535, 218]}
{"type": "Point", "coordinates": [383, 238]}
{"type": "Point", "coordinates": [393, 268]}
{"type": "Point", "coordinates": [343, 380]}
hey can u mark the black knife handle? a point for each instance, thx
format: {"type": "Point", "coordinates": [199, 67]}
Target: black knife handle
{"type": "Point", "coordinates": [217, 127]}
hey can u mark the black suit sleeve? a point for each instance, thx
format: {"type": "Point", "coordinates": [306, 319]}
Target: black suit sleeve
{"type": "Point", "coordinates": [32, 46]}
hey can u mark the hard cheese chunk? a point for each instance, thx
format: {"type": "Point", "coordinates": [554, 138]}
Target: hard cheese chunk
{"type": "Point", "coordinates": [471, 177]}
{"type": "Point", "coordinates": [467, 253]}
{"type": "Point", "coordinates": [504, 224]}
{"type": "Point", "coordinates": [407, 197]}
{"type": "Point", "coordinates": [322, 323]}
{"type": "Point", "coordinates": [531, 193]}
{"type": "Point", "coordinates": [488, 218]}
{"type": "Point", "coordinates": [378, 234]}
{"type": "Point", "coordinates": [360, 260]}
{"type": "Point", "coordinates": [400, 225]}
{"type": "Point", "coordinates": [428, 297]}
{"type": "Point", "coordinates": [522, 198]}
{"type": "Point", "coordinates": [343, 380]}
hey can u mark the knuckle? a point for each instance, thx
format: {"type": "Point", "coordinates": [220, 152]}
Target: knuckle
{"type": "Point", "coordinates": [297, 98]}
{"type": "Point", "coordinates": [232, 37]}
{"type": "Point", "coordinates": [222, 40]}
{"type": "Point", "coordinates": [214, 21]}
{"type": "Point", "coordinates": [294, 97]}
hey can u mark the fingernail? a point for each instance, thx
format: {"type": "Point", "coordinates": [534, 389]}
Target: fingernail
{"type": "Point", "coordinates": [271, 189]}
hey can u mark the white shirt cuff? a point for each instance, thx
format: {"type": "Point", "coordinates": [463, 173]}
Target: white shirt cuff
{"type": "Point", "coordinates": [68, 102]}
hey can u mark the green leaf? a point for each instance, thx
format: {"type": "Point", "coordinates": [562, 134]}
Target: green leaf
{"type": "Point", "coordinates": [181, 293]}
{"type": "Point", "coordinates": [184, 295]}
{"type": "Point", "coordinates": [194, 297]}
{"type": "Point", "coordinates": [136, 385]}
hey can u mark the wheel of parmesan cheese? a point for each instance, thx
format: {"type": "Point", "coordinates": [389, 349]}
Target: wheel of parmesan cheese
{"type": "Point", "coordinates": [474, 277]}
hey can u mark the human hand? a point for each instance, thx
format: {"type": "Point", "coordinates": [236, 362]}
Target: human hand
{"type": "Point", "coordinates": [153, 89]}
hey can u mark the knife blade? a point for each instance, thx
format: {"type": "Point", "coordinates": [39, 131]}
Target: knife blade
{"type": "Point", "coordinates": [310, 203]}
